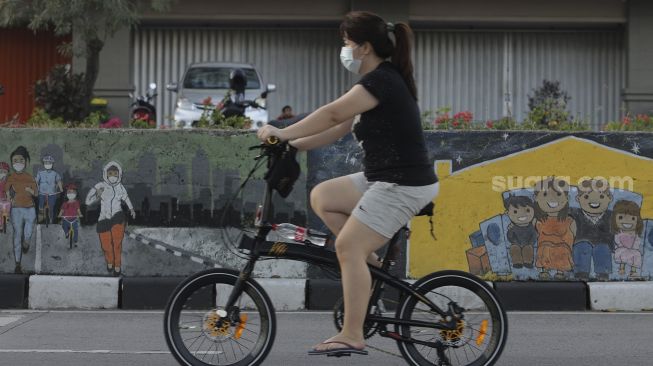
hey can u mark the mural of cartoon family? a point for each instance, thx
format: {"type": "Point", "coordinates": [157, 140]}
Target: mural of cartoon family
{"type": "Point", "coordinates": [557, 231]}
{"type": "Point", "coordinates": [20, 194]}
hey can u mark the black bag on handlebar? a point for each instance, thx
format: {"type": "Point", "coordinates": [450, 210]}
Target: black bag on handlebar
{"type": "Point", "coordinates": [284, 171]}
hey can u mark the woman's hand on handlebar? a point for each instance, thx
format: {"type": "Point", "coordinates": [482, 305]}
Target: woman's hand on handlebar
{"type": "Point", "coordinates": [267, 131]}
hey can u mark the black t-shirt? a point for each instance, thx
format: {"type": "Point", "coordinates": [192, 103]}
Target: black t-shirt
{"type": "Point", "coordinates": [391, 134]}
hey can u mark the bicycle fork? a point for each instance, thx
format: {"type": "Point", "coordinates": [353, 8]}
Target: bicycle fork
{"type": "Point", "coordinates": [238, 289]}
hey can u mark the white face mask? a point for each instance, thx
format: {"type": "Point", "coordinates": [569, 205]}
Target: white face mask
{"type": "Point", "coordinates": [348, 60]}
{"type": "Point", "coordinates": [71, 196]}
{"type": "Point", "coordinates": [48, 166]}
{"type": "Point", "coordinates": [113, 179]}
{"type": "Point", "coordinates": [19, 167]}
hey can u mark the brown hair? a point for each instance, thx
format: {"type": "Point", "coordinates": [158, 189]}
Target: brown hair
{"type": "Point", "coordinates": [362, 26]}
{"type": "Point", "coordinates": [556, 185]}
{"type": "Point", "coordinates": [628, 208]}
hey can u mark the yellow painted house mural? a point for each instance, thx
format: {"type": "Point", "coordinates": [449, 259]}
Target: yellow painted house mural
{"type": "Point", "coordinates": [570, 209]}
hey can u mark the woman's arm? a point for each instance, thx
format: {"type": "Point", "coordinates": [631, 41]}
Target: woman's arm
{"type": "Point", "coordinates": [323, 138]}
{"type": "Point", "coordinates": [356, 101]}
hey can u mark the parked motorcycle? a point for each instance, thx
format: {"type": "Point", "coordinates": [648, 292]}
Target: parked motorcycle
{"type": "Point", "coordinates": [143, 111]}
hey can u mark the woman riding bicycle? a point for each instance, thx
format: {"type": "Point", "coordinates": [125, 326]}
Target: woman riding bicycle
{"type": "Point", "coordinates": [365, 209]}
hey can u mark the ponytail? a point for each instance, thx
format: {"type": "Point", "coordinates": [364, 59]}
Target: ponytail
{"type": "Point", "coordinates": [401, 55]}
{"type": "Point", "coordinates": [388, 40]}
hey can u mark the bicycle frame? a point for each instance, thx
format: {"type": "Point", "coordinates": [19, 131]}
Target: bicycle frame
{"type": "Point", "coordinates": [259, 246]}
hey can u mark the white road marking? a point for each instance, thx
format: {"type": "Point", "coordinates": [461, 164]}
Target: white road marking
{"type": "Point", "coordinates": [6, 320]}
{"type": "Point", "coordinates": [38, 259]}
{"type": "Point", "coordinates": [93, 351]}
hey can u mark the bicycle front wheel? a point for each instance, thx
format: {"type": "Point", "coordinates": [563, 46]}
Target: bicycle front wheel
{"type": "Point", "coordinates": [481, 325]}
{"type": "Point", "coordinates": [200, 331]}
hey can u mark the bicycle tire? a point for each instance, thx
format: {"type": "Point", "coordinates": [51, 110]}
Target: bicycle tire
{"type": "Point", "coordinates": [214, 278]}
{"type": "Point", "coordinates": [460, 285]}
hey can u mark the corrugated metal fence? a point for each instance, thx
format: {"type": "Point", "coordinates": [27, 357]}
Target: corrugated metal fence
{"type": "Point", "coordinates": [25, 57]}
{"type": "Point", "coordinates": [487, 72]}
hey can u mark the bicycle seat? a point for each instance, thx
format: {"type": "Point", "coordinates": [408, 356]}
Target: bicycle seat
{"type": "Point", "coordinates": [427, 210]}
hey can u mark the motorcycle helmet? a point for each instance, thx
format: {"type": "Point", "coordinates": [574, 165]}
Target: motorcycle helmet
{"type": "Point", "coordinates": [237, 81]}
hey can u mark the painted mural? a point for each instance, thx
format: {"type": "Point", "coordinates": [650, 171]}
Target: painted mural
{"type": "Point", "coordinates": [556, 231]}
{"type": "Point", "coordinates": [131, 203]}
{"type": "Point", "coordinates": [563, 208]}
{"type": "Point", "coordinates": [528, 205]}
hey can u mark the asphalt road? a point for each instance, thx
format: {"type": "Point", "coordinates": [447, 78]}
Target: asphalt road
{"type": "Point", "coordinates": [116, 338]}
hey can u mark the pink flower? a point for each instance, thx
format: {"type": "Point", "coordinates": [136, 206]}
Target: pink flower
{"type": "Point", "coordinates": [466, 116]}
{"type": "Point", "coordinates": [442, 119]}
{"type": "Point", "coordinates": [455, 123]}
{"type": "Point", "coordinates": [113, 122]}
{"type": "Point", "coordinates": [489, 124]}
{"type": "Point", "coordinates": [627, 120]}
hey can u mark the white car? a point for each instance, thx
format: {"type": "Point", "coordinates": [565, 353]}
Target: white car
{"type": "Point", "coordinates": [211, 79]}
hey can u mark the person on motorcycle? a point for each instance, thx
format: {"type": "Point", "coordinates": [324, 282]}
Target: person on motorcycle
{"type": "Point", "coordinates": [50, 184]}
{"type": "Point", "coordinates": [237, 85]}
{"type": "Point", "coordinates": [365, 209]}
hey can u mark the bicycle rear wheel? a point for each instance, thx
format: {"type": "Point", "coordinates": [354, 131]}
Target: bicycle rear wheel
{"type": "Point", "coordinates": [200, 332]}
{"type": "Point", "coordinates": [482, 325]}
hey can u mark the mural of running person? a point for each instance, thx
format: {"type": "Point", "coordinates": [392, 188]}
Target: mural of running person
{"type": "Point", "coordinates": [5, 205]}
{"type": "Point", "coordinates": [21, 188]}
{"type": "Point", "coordinates": [112, 221]}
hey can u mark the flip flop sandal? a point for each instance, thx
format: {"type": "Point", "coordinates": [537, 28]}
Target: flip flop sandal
{"type": "Point", "coordinates": [338, 352]}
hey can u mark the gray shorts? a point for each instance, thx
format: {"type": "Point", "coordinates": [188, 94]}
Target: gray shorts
{"type": "Point", "coordinates": [387, 207]}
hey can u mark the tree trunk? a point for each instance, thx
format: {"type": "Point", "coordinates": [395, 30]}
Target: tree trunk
{"type": "Point", "coordinates": [93, 48]}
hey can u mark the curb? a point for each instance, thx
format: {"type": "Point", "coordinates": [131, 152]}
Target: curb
{"type": "Point", "coordinates": [627, 296]}
{"type": "Point", "coordinates": [68, 292]}
{"type": "Point", "coordinates": [543, 296]}
{"type": "Point", "coordinates": [140, 293]}
{"type": "Point", "coordinates": [13, 291]}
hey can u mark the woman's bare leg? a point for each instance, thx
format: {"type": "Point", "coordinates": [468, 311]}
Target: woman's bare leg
{"type": "Point", "coordinates": [333, 201]}
{"type": "Point", "coordinates": [353, 246]}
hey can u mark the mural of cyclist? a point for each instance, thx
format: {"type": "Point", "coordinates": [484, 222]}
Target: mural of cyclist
{"type": "Point", "coordinates": [21, 188]}
{"type": "Point", "coordinates": [70, 212]}
{"type": "Point", "coordinates": [50, 185]}
{"type": "Point", "coordinates": [112, 221]}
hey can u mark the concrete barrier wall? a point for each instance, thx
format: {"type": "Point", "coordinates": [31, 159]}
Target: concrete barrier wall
{"type": "Point", "coordinates": [179, 183]}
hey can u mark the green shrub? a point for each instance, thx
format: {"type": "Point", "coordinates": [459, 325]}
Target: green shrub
{"type": "Point", "coordinates": [62, 94]}
{"type": "Point", "coordinates": [548, 106]}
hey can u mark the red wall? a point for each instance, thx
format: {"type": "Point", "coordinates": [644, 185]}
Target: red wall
{"type": "Point", "coordinates": [25, 57]}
